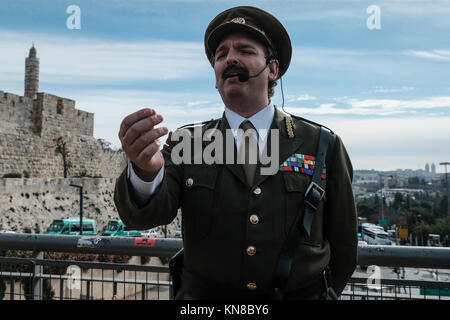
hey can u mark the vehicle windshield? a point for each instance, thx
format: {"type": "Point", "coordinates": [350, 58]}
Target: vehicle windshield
{"type": "Point", "coordinates": [381, 236]}
{"type": "Point", "coordinates": [112, 227]}
{"type": "Point", "coordinates": [55, 227]}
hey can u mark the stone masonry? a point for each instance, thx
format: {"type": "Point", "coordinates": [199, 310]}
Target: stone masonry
{"type": "Point", "coordinates": [31, 124]}
{"type": "Point", "coordinates": [30, 205]}
{"type": "Point", "coordinates": [29, 128]}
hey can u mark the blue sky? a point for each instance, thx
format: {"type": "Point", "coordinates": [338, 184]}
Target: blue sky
{"type": "Point", "coordinates": [386, 91]}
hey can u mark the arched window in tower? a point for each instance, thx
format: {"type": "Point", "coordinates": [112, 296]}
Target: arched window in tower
{"type": "Point", "coordinates": [59, 107]}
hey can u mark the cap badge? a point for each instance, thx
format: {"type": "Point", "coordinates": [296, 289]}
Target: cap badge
{"type": "Point", "coordinates": [238, 20]}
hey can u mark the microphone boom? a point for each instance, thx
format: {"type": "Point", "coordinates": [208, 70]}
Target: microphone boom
{"type": "Point", "coordinates": [245, 75]}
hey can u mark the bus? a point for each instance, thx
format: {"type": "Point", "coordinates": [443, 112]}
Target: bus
{"type": "Point", "coordinates": [376, 236]}
{"type": "Point", "coordinates": [71, 226]}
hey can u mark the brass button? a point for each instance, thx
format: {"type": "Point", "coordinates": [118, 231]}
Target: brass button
{"type": "Point", "coordinates": [254, 219]}
{"type": "Point", "coordinates": [257, 190]}
{"type": "Point", "coordinates": [251, 251]}
{"type": "Point", "coordinates": [189, 182]}
{"type": "Point", "coordinates": [251, 286]}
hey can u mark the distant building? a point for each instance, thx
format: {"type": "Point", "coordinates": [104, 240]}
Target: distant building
{"type": "Point", "coordinates": [433, 168]}
{"type": "Point", "coordinates": [427, 168]}
{"type": "Point", "coordinates": [389, 193]}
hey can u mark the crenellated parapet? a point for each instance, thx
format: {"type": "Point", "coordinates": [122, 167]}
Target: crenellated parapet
{"type": "Point", "coordinates": [56, 115]}
{"type": "Point", "coordinates": [31, 126]}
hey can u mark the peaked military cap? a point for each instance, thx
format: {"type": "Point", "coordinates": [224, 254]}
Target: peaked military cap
{"type": "Point", "coordinates": [254, 21]}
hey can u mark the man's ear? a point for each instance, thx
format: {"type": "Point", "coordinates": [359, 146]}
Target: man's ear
{"type": "Point", "coordinates": [273, 69]}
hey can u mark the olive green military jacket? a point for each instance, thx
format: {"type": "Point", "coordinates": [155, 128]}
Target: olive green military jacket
{"type": "Point", "coordinates": [222, 217]}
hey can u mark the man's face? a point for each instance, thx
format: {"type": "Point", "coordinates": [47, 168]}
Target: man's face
{"type": "Point", "coordinates": [236, 53]}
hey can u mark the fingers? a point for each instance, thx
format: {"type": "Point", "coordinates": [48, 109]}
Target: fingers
{"type": "Point", "coordinates": [148, 137]}
{"type": "Point", "coordinates": [148, 152]}
{"type": "Point", "coordinates": [139, 137]}
{"type": "Point", "coordinates": [140, 127]}
{"type": "Point", "coordinates": [136, 124]}
{"type": "Point", "coordinates": [145, 140]}
{"type": "Point", "coordinates": [133, 118]}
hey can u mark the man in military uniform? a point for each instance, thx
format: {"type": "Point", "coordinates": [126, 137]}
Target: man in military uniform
{"type": "Point", "coordinates": [235, 220]}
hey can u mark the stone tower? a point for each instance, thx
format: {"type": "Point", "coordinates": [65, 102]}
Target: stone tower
{"type": "Point", "coordinates": [31, 74]}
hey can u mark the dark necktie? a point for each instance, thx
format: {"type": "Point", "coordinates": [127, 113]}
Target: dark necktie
{"type": "Point", "coordinates": [249, 151]}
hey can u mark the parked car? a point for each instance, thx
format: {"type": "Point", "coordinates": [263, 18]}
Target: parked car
{"type": "Point", "coordinates": [116, 228]}
{"type": "Point", "coordinates": [71, 226]}
{"type": "Point", "coordinates": [178, 233]}
{"type": "Point", "coordinates": [150, 233]}
{"type": "Point", "coordinates": [362, 243]}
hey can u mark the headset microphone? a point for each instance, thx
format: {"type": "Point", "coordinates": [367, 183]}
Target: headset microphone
{"type": "Point", "coordinates": [245, 76]}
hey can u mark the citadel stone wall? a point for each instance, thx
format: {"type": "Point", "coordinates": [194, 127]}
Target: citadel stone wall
{"type": "Point", "coordinates": [28, 132]}
{"type": "Point", "coordinates": [32, 204]}
{"type": "Point", "coordinates": [55, 115]}
{"type": "Point", "coordinates": [29, 128]}
{"type": "Point", "coordinates": [16, 113]}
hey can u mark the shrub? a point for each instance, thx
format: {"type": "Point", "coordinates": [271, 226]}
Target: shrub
{"type": "Point", "coordinates": [12, 175]}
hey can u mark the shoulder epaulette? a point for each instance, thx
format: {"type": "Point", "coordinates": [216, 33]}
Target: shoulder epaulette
{"type": "Point", "coordinates": [309, 121]}
{"type": "Point", "coordinates": [192, 125]}
{"type": "Point", "coordinates": [196, 124]}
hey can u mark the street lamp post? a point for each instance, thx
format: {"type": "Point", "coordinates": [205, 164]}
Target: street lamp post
{"type": "Point", "coordinates": [381, 184]}
{"type": "Point", "coordinates": [445, 164]}
{"type": "Point", "coordinates": [446, 185]}
{"type": "Point", "coordinates": [81, 206]}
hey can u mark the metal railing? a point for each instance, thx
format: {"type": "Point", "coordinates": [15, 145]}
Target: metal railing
{"type": "Point", "coordinates": [36, 277]}
{"type": "Point", "coordinates": [358, 288]}
{"type": "Point", "coordinates": [101, 280]}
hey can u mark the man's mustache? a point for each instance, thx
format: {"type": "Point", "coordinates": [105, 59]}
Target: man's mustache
{"type": "Point", "coordinates": [232, 71]}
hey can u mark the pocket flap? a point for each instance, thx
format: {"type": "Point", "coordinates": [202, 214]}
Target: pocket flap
{"type": "Point", "coordinates": [200, 176]}
{"type": "Point", "coordinates": [296, 182]}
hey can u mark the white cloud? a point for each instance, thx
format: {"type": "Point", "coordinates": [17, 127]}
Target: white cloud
{"type": "Point", "coordinates": [177, 108]}
{"type": "Point", "coordinates": [375, 107]}
{"type": "Point", "coordinates": [97, 61]}
{"type": "Point", "coordinates": [321, 12]}
{"type": "Point", "coordinates": [378, 89]}
{"type": "Point", "coordinates": [355, 11]}
{"type": "Point", "coordinates": [417, 8]}
{"type": "Point", "coordinates": [440, 55]}
{"type": "Point", "coordinates": [392, 143]}
{"type": "Point", "coordinates": [305, 97]}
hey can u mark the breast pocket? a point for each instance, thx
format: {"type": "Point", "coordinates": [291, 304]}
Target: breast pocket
{"type": "Point", "coordinates": [296, 185]}
{"type": "Point", "coordinates": [198, 199]}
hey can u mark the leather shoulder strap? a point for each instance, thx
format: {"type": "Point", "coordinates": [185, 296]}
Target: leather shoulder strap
{"type": "Point", "coordinates": [315, 192]}
{"type": "Point", "coordinates": [313, 196]}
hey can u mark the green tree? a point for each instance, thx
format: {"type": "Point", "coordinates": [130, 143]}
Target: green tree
{"type": "Point", "coordinates": [442, 207]}
{"type": "Point", "coordinates": [398, 201]}
{"type": "Point", "coordinates": [62, 149]}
